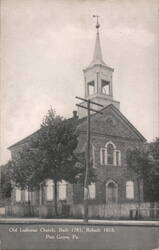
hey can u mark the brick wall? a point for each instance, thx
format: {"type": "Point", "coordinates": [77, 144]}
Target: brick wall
{"type": "Point", "coordinates": [124, 138]}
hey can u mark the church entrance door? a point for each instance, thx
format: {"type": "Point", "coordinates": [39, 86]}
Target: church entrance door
{"type": "Point", "coordinates": [111, 192]}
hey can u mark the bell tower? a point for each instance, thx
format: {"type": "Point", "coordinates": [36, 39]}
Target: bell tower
{"type": "Point", "coordinates": [98, 78]}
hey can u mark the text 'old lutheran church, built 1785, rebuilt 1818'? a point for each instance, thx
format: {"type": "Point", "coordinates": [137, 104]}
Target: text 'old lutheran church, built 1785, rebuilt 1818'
{"type": "Point", "coordinates": [112, 136]}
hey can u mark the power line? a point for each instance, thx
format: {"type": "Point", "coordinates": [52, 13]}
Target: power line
{"type": "Point", "coordinates": [88, 102]}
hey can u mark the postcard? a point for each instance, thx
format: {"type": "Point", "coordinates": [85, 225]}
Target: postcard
{"type": "Point", "coordinates": [79, 125]}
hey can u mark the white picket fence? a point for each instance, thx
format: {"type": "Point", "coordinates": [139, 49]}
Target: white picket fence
{"type": "Point", "coordinates": [2, 211]}
{"type": "Point", "coordinates": [124, 210]}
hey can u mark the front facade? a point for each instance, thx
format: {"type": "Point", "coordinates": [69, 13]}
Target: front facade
{"type": "Point", "coordinates": [112, 136]}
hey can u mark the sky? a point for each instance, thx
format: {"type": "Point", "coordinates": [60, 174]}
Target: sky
{"type": "Point", "coordinates": [45, 45]}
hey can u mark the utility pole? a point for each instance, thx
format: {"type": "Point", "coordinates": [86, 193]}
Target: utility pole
{"type": "Point", "coordinates": [0, 183]}
{"type": "Point", "coordinates": [89, 109]}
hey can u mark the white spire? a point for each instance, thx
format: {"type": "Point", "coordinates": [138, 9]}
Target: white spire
{"type": "Point", "coordinates": [97, 56]}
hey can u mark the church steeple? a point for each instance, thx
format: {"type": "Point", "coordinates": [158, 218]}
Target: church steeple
{"type": "Point", "coordinates": [97, 56]}
{"type": "Point", "coordinates": [98, 78]}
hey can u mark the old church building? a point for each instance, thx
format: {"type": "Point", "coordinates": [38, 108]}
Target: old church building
{"type": "Point", "coordinates": [112, 136]}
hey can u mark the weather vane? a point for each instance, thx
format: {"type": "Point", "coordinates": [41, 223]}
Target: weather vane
{"type": "Point", "coordinates": [97, 25]}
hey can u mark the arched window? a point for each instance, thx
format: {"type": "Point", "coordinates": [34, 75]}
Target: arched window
{"type": "Point", "coordinates": [62, 190]}
{"type": "Point", "coordinates": [130, 190]}
{"type": "Point", "coordinates": [92, 191]}
{"type": "Point", "coordinates": [49, 190]}
{"type": "Point", "coordinates": [18, 195]}
{"type": "Point", "coordinates": [105, 87]}
{"type": "Point", "coordinates": [91, 88]}
{"type": "Point", "coordinates": [110, 154]}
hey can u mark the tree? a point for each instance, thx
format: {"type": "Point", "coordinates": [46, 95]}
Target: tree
{"type": "Point", "coordinates": [6, 186]}
{"type": "Point", "coordinates": [27, 167]}
{"type": "Point", "coordinates": [49, 154]}
{"type": "Point", "coordinates": [152, 182]}
{"type": "Point", "coordinates": [144, 161]}
{"type": "Point", "coordinates": [137, 160]}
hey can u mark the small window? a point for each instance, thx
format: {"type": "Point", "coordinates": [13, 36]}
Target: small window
{"type": "Point", "coordinates": [105, 87]}
{"type": "Point", "coordinates": [18, 195]}
{"type": "Point", "coordinates": [92, 191]}
{"type": "Point", "coordinates": [62, 190]}
{"type": "Point", "coordinates": [91, 88]}
{"type": "Point", "coordinates": [110, 121]}
{"type": "Point", "coordinates": [110, 150]}
{"type": "Point", "coordinates": [129, 190]}
{"type": "Point", "coordinates": [49, 190]}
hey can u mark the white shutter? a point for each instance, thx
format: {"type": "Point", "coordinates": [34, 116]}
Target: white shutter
{"type": "Point", "coordinates": [130, 190]}
{"type": "Point", "coordinates": [92, 191]}
{"type": "Point", "coordinates": [62, 190]}
{"type": "Point", "coordinates": [49, 190]}
{"type": "Point", "coordinates": [18, 195]}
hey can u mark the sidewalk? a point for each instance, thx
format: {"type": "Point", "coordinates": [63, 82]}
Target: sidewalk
{"type": "Point", "coordinates": [78, 221]}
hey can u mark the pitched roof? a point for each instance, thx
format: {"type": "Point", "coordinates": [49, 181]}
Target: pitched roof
{"type": "Point", "coordinates": [125, 120]}
{"type": "Point", "coordinates": [79, 121]}
{"type": "Point", "coordinates": [26, 139]}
